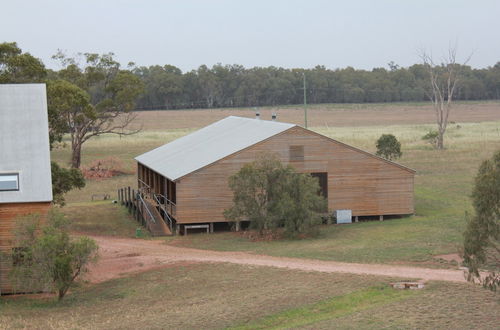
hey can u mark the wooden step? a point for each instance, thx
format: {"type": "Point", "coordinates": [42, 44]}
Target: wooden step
{"type": "Point", "coordinates": [159, 228]}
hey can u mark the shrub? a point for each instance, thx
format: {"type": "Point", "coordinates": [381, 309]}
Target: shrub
{"type": "Point", "coordinates": [271, 195]}
{"type": "Point", "coordinates": [431, 137]}
{"type": "Point", "coordinates": [388, 147]}
{"type": "Point", "coordinates": [482, 235]}
{"type": "Point", "coordinates": [64, 180]}
{"type": "Point", "coordinates": [48, 259]}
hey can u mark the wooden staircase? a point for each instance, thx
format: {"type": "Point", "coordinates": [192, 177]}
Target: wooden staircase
{"type": "Point", "coordinates": [159, 227]}
{"type": "Point", "coordinates": [147, 209]}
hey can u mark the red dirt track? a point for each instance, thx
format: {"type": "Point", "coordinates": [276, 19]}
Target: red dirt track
{"type": "Point", "coordinates": [123, 256]}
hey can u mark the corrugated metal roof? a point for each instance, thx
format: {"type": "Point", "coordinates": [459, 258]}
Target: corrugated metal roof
{"type": "Point", "coordinates": [209, 144]}
{"type": "Point", "coordinates": [24, 142]}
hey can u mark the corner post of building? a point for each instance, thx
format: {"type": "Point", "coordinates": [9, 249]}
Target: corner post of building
{"type": "Point", "coordinates": [381, 218]}
{"type": "Point", "coordinates": [237, 226]}
{"type": "Point", "coordinates": [356, 219]}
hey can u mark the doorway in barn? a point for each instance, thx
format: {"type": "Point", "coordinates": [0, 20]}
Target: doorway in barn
{"type": "Point", "coordinates": [323, 182]}
{"type": "Point", "coordinates": [322, 178]}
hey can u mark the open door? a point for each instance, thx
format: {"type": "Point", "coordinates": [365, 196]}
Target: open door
{"type": "Point", "coordinates": [323, 182]}
{"type": "Point", "coordinates": [323, 185]}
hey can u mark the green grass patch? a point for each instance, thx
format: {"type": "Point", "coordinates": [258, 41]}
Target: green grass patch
{"type": "Point", "coordinates": [100, 218]}
{"type": "Point", "coordinates": [329, 309]}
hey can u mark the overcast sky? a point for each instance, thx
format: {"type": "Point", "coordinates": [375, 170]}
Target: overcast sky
{"type": "Point", "coordinates": [291, 34]}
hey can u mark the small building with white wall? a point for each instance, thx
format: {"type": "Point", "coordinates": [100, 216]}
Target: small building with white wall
{"type": "Point", "coordinates": [25, 175]}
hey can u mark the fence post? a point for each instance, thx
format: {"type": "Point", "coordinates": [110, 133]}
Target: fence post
{"type": "Point", "coordinates": [141, 212]}
{"type": "Point", "coordinates": [132, 208]}
{"type": "Point", "coordinates": [129, 198]}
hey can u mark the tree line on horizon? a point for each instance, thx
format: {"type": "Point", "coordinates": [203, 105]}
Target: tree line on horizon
{"type": "Point", "coordinates": [167, 87]}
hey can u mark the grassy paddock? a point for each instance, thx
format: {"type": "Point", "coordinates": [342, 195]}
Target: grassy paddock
{"type": "Point", "coordinates": [442, 186]}
{"type": "Point", "coordinates": [211, 296]}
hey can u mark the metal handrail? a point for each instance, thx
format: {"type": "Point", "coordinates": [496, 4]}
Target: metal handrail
{"type": "Point", "coordinates": [170, 222]}
{"type": "Point", "coordinates": [165, 198]}
{"type": "Point", "coordinates": [168, 202]}
{"type": "Point", "coordinates": [152, 218]}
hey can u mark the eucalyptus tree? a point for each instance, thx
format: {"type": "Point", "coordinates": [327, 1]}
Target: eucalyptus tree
{"type": "Point", "coordinates": [17, 66]}
{"type": "Point", "coordinates": [93, 99]}
{"type": "Point", "coordinates": [443, 81]}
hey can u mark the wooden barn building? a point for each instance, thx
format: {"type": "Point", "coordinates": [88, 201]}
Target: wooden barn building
{"type": "Point", "coordinates": [189, 176]}
{"type": "Point", "coordinates": [25, 178]}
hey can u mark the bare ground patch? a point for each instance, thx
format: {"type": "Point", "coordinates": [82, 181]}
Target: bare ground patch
{"type": "Point", "coordinates": [120, 256]}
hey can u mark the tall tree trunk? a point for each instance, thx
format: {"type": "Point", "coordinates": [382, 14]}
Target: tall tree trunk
{"type": "Point", "coordinates": [76, 151]}
{"type": "Point", "coordinates": [440, 140]}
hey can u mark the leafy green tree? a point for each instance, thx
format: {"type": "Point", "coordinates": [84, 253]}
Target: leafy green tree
{"type": "Point", "coordinates": [19, 67]}
{"type": "Point", "coordinates": [93, 100]}
{"type": "Point", "coordinates": [482, 235]}
{"type": "Point", "coordinates": [302, 204]}
{"type": "Point", "coordinates": [389, 147]}
{"type": "Point", "coordinates": [48, 258]}
{"type": "Point", "coordinates": [64, 180]}
{"type": "Point", "coordinates": [163, 85]}
{"type": "Point", "coordinates": [271, 195]}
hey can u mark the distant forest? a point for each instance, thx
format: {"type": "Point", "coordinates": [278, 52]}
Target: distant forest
{"type": "Point", "coordinates": [166, 87]}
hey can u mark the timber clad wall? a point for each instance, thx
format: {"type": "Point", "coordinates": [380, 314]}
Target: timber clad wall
{"type": "Point", "coordinates": [8, 216]}
{"type": "Point", "coordinates": [357, 180]}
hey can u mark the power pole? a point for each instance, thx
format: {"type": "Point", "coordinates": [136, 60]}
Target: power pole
{"type": "Point", "coordinates": [305, 99]}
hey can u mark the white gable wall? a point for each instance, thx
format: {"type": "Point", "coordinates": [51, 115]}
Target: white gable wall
{"type": "Point", "coordinates": [24, 142]}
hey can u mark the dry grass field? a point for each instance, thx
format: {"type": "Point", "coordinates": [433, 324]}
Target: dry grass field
{"type": "Point", "coordinates": [324, 115]}
{"type": "Point", "coordinates": [215, 296]}
{"type": "Point", "coordinates": [221, 295]}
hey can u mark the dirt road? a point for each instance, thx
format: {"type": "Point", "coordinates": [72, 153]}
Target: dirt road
{"type": "Point", "coordinates": [122, 256]}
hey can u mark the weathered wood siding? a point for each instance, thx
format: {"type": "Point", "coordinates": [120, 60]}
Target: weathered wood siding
{"type": "Point", "coordinates": [9, 212]}
{"type": "Point", "coordinates": [356, 180]}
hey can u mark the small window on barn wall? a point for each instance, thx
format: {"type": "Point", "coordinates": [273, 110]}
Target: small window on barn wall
{"type": "Point", "coordinates": [9, 181]}
{"type": "Point", "coordinates": [296, 153]}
